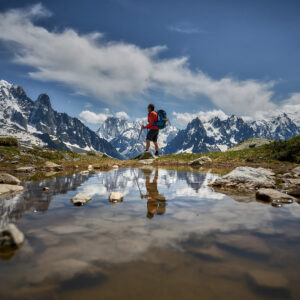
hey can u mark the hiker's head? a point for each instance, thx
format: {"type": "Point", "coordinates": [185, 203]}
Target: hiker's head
{"type": "Point", "coordinates": [151, 107]}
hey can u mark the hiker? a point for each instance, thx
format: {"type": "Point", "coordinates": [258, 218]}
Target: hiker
{"type": "Point", "coordinates": [152, 134]}
{"type": "Point", "coordinates": [156, 203]}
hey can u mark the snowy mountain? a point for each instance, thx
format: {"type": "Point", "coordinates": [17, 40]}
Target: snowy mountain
{"type": "Point", "coordinates": [219, 135]}
{"type": "Point", "coordinates": [36, 123]}
{"type": "Point", "coordinates": [123, 135]}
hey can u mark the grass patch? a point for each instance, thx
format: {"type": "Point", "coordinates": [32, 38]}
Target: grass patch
{"type": "Point", "coordinates": [8, 141]}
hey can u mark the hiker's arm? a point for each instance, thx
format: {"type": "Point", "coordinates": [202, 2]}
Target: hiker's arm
{"type": "Point", "coordinates": [150, 123]}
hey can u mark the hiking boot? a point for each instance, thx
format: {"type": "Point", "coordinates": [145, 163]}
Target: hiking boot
{"type": "Point", "coordinates": [156, 153]}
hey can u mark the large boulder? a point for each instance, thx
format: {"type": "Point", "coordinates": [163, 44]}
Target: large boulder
{"type": "Point", "coordinates": [80, 199]}
{"type": "Point", "coordinates": [9, 179]}
{"type": "Point", "coordinates": [201, 161]}
{"type": "Point", "coordinates": [246, 178]}
{"type": "Point", "coordinates": [49, 165]}
{"type": "Point", "coordinates": [271, 195]}
{"type": "Point", "coordinates": [10, 188]}
{"type": "Point", "coordinates": [10, 236]}
{"type": "Point", "coordinates": [115, 197]}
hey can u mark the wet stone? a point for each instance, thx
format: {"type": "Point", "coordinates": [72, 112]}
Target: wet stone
{"type": "Point", "coordinates": [10, 236]}
{"type": "Point", "coordinates": [10, 188]}
{"type": "Point", "coordinates": [9, 179]}
{"type": "Point", "coordinates": [294, 193]}
{"type": "Point", "coordinates": [115, 197]}
{"type": "Point", "coordinates": [80, 199]}
{"type": "Point", "coordinates": [272, 195]}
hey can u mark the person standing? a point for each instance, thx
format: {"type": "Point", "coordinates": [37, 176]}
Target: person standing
{"type": "Point", "coordinates": [152, 134]}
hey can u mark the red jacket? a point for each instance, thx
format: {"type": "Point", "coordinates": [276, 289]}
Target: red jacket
{"type": "Point", "coordinates": [152, 117]}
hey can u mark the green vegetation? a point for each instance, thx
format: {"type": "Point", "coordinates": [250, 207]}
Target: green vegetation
{"type": "Point", "coordinates": [277, 151]}
{"type": "Point", "coordinates": [8, 141]}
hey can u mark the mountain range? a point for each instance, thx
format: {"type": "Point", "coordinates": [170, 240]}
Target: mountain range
{"type": "Point", "coordinates": [36, 123]}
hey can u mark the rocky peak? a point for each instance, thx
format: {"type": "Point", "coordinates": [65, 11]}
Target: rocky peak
{"type": "Point", "coordinates": [43, 100]}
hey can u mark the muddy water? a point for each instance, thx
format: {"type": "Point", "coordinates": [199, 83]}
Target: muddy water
{"type": "Point", "coordinates": [171, 238]}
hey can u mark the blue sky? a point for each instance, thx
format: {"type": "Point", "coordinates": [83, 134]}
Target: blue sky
{"type": "Point", "coordinates": [110, 56]}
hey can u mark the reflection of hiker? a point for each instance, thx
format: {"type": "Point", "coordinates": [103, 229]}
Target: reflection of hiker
{"type": "Point", "coordinates": [156, 203]}
{"type": "Point", "coordinates": [153, 132]}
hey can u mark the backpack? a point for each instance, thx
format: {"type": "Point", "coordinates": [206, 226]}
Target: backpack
{"type": "Point", "coordinates": [162, 119]}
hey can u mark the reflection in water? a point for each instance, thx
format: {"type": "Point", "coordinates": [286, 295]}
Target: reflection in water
{"type": "Point", "coordinates": [204, 245]}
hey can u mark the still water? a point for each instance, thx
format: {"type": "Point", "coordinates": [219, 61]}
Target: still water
{"type": "Point", "coordinates": [172, 237]}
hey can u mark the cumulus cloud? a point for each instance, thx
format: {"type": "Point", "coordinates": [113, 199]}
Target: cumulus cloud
{"type": "Point", "coordinates": [115, 71]}
{"type": "Point", "coordinates": [98, 118]}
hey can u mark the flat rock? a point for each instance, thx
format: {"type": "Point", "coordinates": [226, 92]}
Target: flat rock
{"type": "Point", "coordinates": [115, 197]}
{"type": "Point", "coordinates": [246, 178]}
{"type": "Point", "coordinates": [200, 161]}
{"type": "Point", "coordinates": [269, 195]}
{"type": "Point", "coordinates": [80, 199]}
{"type": "Point", "coordinates": [52, 166]}
{"type": "Point", "coordinates": [268, 279]}
{"type": "Point", "coordinates": [26, 169]}
{"type": "Point", "coordinates": [10, 236]}
{"type": "Point", "coordinates": [10, 188]}
{"type": "Point", "coordinates": [9, 179]}
{"type": "Point", "coordinates": [146, 161]}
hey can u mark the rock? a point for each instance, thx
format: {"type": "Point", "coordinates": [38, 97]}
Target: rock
{"type": "Point", "coordinates": [49, 165]}
{"type": "Point", "coordinates": [116, 197]}
{"type": "Point", "coordinates": [246, 178]}
{"type": "Point", "coordinates": [286, 175]}
{"type": "Point", "coordinates": [145, 155]}
{"type": "Point", "coordinates": [84, 172]}
{"type": "Point", "coordinates": [80, 199]}
{"type": "Point", "coordinates": [294, 193]}
{"type": "Point", "coordinates": [146, 161]}
{"type": "Point", "coordinates": [90, 168]}
{"type": "Point", "coordinates": [275, 196]}
{"type": "Point", "coordinates": [250, 143]}
{"type": "Point", "coordinates": [10, 236]}
{"type": "Point", "coordinates": [294, 181]}
{"type": "Point", "coordinates": [9, 179]}
{"type": "Point", "coordinates": [14, 162]}
{"type": "Point", "coordinates": [201, 161]}
{"type": "Point", "coordinates": [10, 188]}
{"type": "Point", "coordinates": [296, 171]}
{"type": "Point", "coordinates": [115, 167]}
{"type": "Point", "coordinates": [27, 169]}
{"type": "Point", "coordinates": [45, 188]}
{"type": "Point", "coordinates": [268, 279]}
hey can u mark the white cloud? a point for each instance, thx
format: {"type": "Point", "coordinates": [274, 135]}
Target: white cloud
{"type": "Point", "coordinates": [187, 29]}
{"type": "Point", "coordinates": [122, 115]}
{"type": "Point", "coordinates": [94, 118]}
{"type": "Point", "coordinates": [115, 71]}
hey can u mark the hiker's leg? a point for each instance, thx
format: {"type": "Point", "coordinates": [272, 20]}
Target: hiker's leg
{"type": "Point", "coordinates": [147, 144]}
{"type": "Point", "coordinates": [156, 146]}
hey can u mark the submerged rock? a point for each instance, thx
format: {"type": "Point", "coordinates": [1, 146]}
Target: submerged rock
{"type": "Point", "coordinates": [246, 178]}
{"type": "Point", "coordinates": [275, 196]}
{"type": "Point", "coordinates": [10, 236]}
{"type": "Point", "coordinates": [10, 188]}
{"type": "Point", "coordinates": [9, 179]}
{"type": "Point", "coordinates": [80, 199]}
{"type": "Point", "coordinates": [268, 279]}
{"type": "Point", "coordinates": [115, 197]}
{"type": "Point", "coordinates": [200, 161]}
{"type": "Point", "coordinates": [49, 165]}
